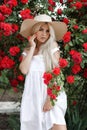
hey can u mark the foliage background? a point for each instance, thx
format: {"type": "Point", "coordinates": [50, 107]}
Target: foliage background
{"type": "Point", "coordinates": [73, 48]}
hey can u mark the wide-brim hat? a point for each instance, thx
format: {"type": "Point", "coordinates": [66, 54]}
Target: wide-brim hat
{"type": "Point", "coordinates": [60, 28]}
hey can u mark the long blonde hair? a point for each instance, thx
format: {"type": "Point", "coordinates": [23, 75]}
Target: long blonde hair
{"type": "Point", "coordinates": [46, 49]}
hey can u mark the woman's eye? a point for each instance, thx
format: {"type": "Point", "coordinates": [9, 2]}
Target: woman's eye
{"type": "Point", "coordinates": [47, 31]}
{"type": "Point", "coordinates": [40, 29]}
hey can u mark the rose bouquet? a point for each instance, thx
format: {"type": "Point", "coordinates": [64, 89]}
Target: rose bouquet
{"type": "Point", "coordinates": [54, 80]}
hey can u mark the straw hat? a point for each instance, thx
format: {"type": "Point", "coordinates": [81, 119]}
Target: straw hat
{"type": "Point", "coordinates": [60, 28]}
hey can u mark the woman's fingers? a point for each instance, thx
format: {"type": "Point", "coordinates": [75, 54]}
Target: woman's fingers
{"type": "Point", "coordinates": [47, 106]}
{"type": "Point", "coordinates": [31, 40]}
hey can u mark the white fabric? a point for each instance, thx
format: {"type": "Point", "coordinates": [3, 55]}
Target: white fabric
{"type": "Point", "coordinates": [32, 116]}
{"type": "Point", "coordinates": [55, 49]}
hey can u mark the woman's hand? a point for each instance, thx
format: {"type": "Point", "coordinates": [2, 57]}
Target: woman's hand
{"type": "Point", "coordinates": [47, 106]}
{"type": "Point", "coordinates": [31, 40]}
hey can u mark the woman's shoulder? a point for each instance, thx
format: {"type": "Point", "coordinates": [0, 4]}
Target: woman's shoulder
{"type": "Point", "coordinates": [55, 48]}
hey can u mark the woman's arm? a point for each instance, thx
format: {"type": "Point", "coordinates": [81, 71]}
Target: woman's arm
{"type": "Point", "coordinates": [25, 63]}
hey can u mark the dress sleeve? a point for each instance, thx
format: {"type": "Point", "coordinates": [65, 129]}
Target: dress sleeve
{"type": "Point", "coordinates": [24, 53]}
{"type": "Point", "coordinates": [55, 49]}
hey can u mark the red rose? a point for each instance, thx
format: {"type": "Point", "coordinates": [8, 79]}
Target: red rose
{"type": "Point", "coordinates": [67, 37]}
{"type": "Point", "coordinates": [2, 17]}
{"type": "Point", "coordinates": [59, 11]}
{"type": "Point", "coordinates": [61, 1]}
{"type": "Point", "coordinates": [14, 28]}
{"type": "Point", "coordinates": [77, 58]}
{"type": "Point", "coordinates": [74, 103]}
{"type": "Point", "coordinates": [58, 88]}
{"type": "Point", "coordinates": [85, 73]}
{"type": "Point", "coordinates": [14, 50]}
{"type": "Point", "coordinates": [76, 69]}
{"type": "Point", "coordinates": [53, 96]}
{"type": "Point", "coordinates": [20, 77]}
{"type": "Point", "coordinates": [56, 71]}
{"type": "Point", "coordinates": [11, 3]}
{"type": "Point", "coordinates": [63, 62]}
{"type": "Point", "coordinates": [70, 1]}
{"type": "Point", "coordinates": [85, 46]}
{"type": "Point", "coordinates": [47, 77]}
{"type": "Point", "coordinates": [5, 10]}
{"type": "Point", "coordinates": [7, 63]}
{"type": "Point", "coordinates": [26, 14]}
{"type": "Point", "coordinates": [84, 31]}
{"type": "Point", "coordinates": [72, 52]}
{"type": "Point", "coordinates": [66, 20]}
{"type": "Point", "coordinates": [75, 27]}
{"type": "Point", "coordinates": [6, 28]}
{"type": "Point", "coordinates": [70, 79]}
{"type": "Point", "coordinates": [15, 89]}
{"type": "Point", "coordinates": [49, 91]}
{"type": "Point", "coordinates": [78, 5]}
{"type": "Point", "coordinates": [50, 8]}
{"type": "Point", "coordinates": [14, 82]}
{"type": "Point", "coordinates": [24, 1]}
{"type": "Point", "coordinates": [51, 2]}
{"type": "Point", "coordinates": [20, 58]}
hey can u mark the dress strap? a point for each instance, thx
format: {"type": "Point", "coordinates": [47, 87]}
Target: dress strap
{"type": "Point", "coordinates": [55, 49]}
{"type": "Point", "coordinates": [24, 53]}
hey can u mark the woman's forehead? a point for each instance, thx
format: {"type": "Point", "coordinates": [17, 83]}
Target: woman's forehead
{"type": "Point", "coordinates": [45, 25]}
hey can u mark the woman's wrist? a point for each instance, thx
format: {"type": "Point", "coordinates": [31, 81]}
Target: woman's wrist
{"type": "Point", "coordinates": [48, 97]}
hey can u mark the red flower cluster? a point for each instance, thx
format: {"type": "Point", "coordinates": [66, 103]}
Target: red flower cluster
{"type": "Point", "coordinates": [11, 3]}
{"type": "Point", "coordinates": [6, 28]}
{"type": "Point", "coordinates": [63, 63]}
{"type": "Point", "coordinates": [78, 5]}
{"type": "Point", "coordinates": [76, 69]}
{"type": "Point", "coordinates": [14, 50]}
{"type": "Point", "coordinates": [51, 5]}
{"type": "Point", "coordinates": [67, 37]}
{"type": "Point", "coordinates": [14, 82]}
{"type": "Point", "coordinates": [2, 17]}
{"type": "Point", "coordinates": [51, 2]}
{"type": "Point", "coordinates": [7, 63]}
{"type": "Point", "coordinates": [24, 1]}
{"type": "Point", "coordinates": [70, 79]}
{"type": "Point", "coordinates": [54, 82]}
{"type": "Point", "coordinates": [59, 11]}
{"type": "Point", "coordinates": [5, 10]}
{"type": "Point", "coordinates": [77, 59]}
{"type": "Point", "coordinates": [66, 20]}
{"type": "Point", "coordinates": [70, 1]}
{"type": "Point", "coordinates": [85, 46]}
{"type": "Point", "coordinates": [20, 77]}
{"type": "Point", "coordinates": [76, 56]}
{"type": "Point", "coordinates": [85, 73]}
{"type": "Point", "coordinates": [15, 27]}
{"type": "Point", "coordinates": [84, 31]}
{"type": "Point", "coordinates": [76, 27]}
{"type": "Point", "coordinates": [26, 14]}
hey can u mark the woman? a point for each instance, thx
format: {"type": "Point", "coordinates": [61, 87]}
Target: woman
{"type": "Point", "coordinates": [41, 54]}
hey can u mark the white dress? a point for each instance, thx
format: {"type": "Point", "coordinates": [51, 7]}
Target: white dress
{"type": "Point", "coordinates": [32, 116]}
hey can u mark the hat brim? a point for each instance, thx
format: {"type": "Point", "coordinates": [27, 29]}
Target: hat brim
{"type": "Point", "coordinates": [60, 28]}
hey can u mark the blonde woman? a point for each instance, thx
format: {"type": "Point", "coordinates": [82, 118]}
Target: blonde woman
{"type": "Point", "coordinates": [41, 54]}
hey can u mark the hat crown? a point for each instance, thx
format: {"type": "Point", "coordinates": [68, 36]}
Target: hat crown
{"type": "Point", "coordinates": [43, 18]}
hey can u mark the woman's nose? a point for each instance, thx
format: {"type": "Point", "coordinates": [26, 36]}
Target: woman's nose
{"type": "Point", "coordinates": [44, 33]}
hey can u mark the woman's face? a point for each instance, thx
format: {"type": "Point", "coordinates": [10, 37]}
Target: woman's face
{"type": "Point", "coordinates": [43, 34]}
